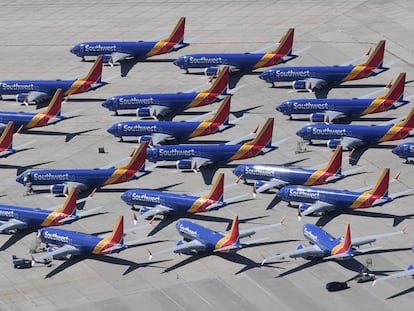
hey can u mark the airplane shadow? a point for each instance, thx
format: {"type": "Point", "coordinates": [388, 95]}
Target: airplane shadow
{"type": "Point", "coordinates": [356, 154]}
{"type": "Point", "coordinates": [68, 136]}
{"type": "Point", "coordinates": [406, 291]}
{"type": "Point", "coordinates": [15, 238]}
{"type": "Point", "coordinates": [21, 169]}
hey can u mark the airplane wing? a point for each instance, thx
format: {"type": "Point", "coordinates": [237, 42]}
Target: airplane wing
{"type": "Point", "coordinates": [318, 207]}
{"type": "Point", "coordinates": [356, 242]}
{"type": "Point", "coordinates": [344, 174]}
{"type": "Point", "coordinates": [12, 224]}
{"type": "Point", "coordinates": [273, 183]}
{"type": "Point", "coordinates": [117, 56]}
{"type": "Point", "coordinates": [199, 162]}
{"type": "Point", "coordinates": [57, 253]}
{"type": "Point", "coordinates": [159, 137]}
{"type": "Point", "coordinates": [158, 209]}
{"type": "Point", "coordinates": [351, 142]}
{"type": "Point", "coordinates": [249, 232]}
{"type": "Point", "coordinates": [314, 83]}
{"type": "Point", "coordinates": [186, 247]}
{"type": "Point", "coordinates": [331, 115]}
{"type": "Point", "coordinates": [392, 197]}
{"type": "Point", "coordinates": [409, 272]}
{"type": "Point", "coordinates": [304, 252]}
{"type": "Point", "coordinates": [37, 96]}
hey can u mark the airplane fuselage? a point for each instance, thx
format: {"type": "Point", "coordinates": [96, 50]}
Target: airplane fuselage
{"type": "Point", "coordinates": [174, 129]}
{"type": "Point", "coordinates": [173, 101]}
{"type": "Point", "coordinates": [404, 151]}
{"type": "Point", "coordinates": [177, 202]}
{"type": "Point", "coordinates": [14, 87]}
{"type": "Point", "coordinates": [290, 175]}
{"type": "Point", "coordinates": [337, 198]}
{"type": "Point", "coordinates": [320, 237]}
{"type": "Point", "coordinates": [349, 107]}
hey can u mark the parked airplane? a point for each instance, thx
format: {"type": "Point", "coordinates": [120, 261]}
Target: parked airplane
{"type": "Point", "coordinates": [240, 61]}
{"type": "Point", "coordinates": [397, 275]}
{"type": "Point", "coordinates": [351, 136]}
{"type": "Point", "coordinates": [154, 105]}
{"type": "Point", "coordinates": [61, 181]}
{"type": "Point", "coordinates": [6, 142]}
{"type": "Point", "coordinates": [27, 120]}
{"type": "Point", "coordinates": [404, 151]}
{"type": "Point", "coordinates": [70, 243]}
{"type": "Point", "coordinates": [269, 176]}
{"type": "Point", "coordinates": [165, 203]}
{"type": "Point", "coordinates": [314, 200]}
{"type": "Point", "coordinates": [34, 91]}
{"type": "Point", "coordinates": [323, 245]}
{"type": "Point", "coordinates": [14, 218]}
{"type": "Point", "coordinates": [194, 156]}
{"type": "Point", "coordinates": [314, 78]}
{"type": "Point", "coordinates": [198, 238]}
{"type": "Point", "coordinates": [115, 51]}
{"type": "Point", "coordinates": [328, 109]}
{"type": "Point", "coordinates": [156, 132]}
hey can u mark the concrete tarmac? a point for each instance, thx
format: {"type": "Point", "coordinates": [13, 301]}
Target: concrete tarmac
{"type": "Point", "coordinates": [35, 40]}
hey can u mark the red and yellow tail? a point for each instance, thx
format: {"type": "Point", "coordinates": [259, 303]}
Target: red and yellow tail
{"type": "Point", "coordinates": [216, 192]}
{"type": "Point", "coordinates": [345, 245]}
{"type": "Point", "coordinates": [114, 239]}
{"type": "Point", "coordinates": [334, 165]}
{"type": "Point", "coordinates": [375, 58]}
{"type": "Point", "coordinates": [70, 203]}
{"type": "Point", "coordinates": [177, 35]}
{"type": "Point", "coordinates": [222, 114]}
{"type": "Point", "coordinates": [55, 104]}
{"type": "Point", "coordinates": [396, 92]}
{"type": "Point", "coordinates": [137, 161]}
{"type": "Point", "coordinates": [232, 237]}
{"type": "Point", "coordinates": [6, 139]}
{"type": "Point", "coordinates": [409, 121]}
{"type": "Point", "coordinates": [220, 84]}
{"type": "Point", "coordinates": [95, 73]}
{"type": "Point", "coordinates": [381, 187]}
{"type": "Point", "coordinates": [264, 138]}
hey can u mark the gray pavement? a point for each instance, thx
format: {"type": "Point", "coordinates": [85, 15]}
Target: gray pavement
{"type": "Point", "coordinates": [35, 40]}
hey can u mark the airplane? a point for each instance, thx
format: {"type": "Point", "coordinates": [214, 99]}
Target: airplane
{"type": "Point", "coordinates": [194, 156]}
{"type": "Point", "coordinates": [61, 181]}
{"type": "Point", "coordinates": [397, 275]}
{"type": "Point", "coordinates": [154, 105]}
{"type": "Point", "coordinates": [314, 200]}
{"type": "Point", "coordinates": [156, 132]}
{"type": "Point", "coordinates": [6, 142]}
{"type": "Point", "coordinates": [71, 243]}
{"type": "Point", "coordinates": [404, 151]}
{"type": "Point", "coordinates": [35, 91]}
{"type": "Point", "coordinates": [116, 51]}
{"type": "Point", "coordinates": [313, 78]}
{"type": "Point", "coordinates": [27, 120]}
{"type": "Point", "coordinates": [15, 218]}
{"type": "Point", "coordinates": [351, 136]}
{"type": "Point", "coordinates": [328, 109]}
{"type": "Point", "coordinates": [325, 246]}
{"type": "Point", "coordinates": [199, 239]}
{"type": "Point", "coordinates": [269, 176]}
{"type": "Point", "coordinates": [211, 62]}
{"type": "Point", "coordinates": [164, 203]}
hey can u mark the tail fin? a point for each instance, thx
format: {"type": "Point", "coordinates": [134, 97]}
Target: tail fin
{"type": "Point", "coordinates": [55, 104]}
{"type": "Point", "coordinates": [396, 92]}
{"type": "Point", "coordinates": [216, 192]}
{"type": "Point", "coordinates": [137, 161]}
{"type": "Point", "coordinates": [409, 120]}
{"type": "Point", "coordinates": [70, 203]}
{"type": "Point", "coordinates": [222, 114]}
{"type": "Point", "coordinates": [376, 57]}
{"type": "Point", "coordinates": [285, 44]}
{"type": "Point", "coordinates": [220, 84]}
{"type": "Point", "coordinates": [264, 138]}
{"type": "Point", "coordinates": [233, 236]}
{"type": "Point", "coordinates": [177, 35]}
{"type": "Point", "coordinates": [117, 235]}
{"type": "Point", "coordinates": [381, 187]}
{"type": "Point", "coordinates": [6, 139]}
{"type": "Point", "coordinates": [334, 165]}
{"type": "Point", "coordinates": [95, 73]}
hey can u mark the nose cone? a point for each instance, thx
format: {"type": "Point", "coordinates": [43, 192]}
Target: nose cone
{"type": "Point", "coordinates": [282, 107]}
{"type": "Point", "coordinates": [113, 130]}
{"type": "Point", "coordinates": [238, 171]}
{"type": "Point", "coordinates": [75, 50]}
{"type": "Point", "coordinates": [265, 76]}
{"type": "Point", "coordinates": [20, 179]}
{"type": "Point", "coordinates": [396, 150]}
{"type": "Point", "coordinates": [108, 104]}
{"type": "Point", "coordinates": [301, 132]}
{"type": "Point", "coordinates": [179, 62]}
{"type": "Point", "coordinates": [126, 197]}
{"type": "Point", "coordinates": [283, 193]}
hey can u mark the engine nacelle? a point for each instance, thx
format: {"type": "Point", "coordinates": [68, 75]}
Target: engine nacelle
{"type": "Point", "coordinates": [143, 210]}
{"type": "Point", "coordinates": [410, 267]}
{"type": "Point", "coordinates": [58, 189]}
{"type": "Point", "coordinates": [145, 139]}
{"type": "Point", "coordinates": [317, 117]}
{"type": "Point", "coordinates": [186, 165]}
{"type": "Point", "coordinates": [211, 71]}
{"type": "Point", "coordinates": [191, 252]}
{"type": "Point", "coordinates": [299, 85]}
{"type": "Point", "coordinates": [303, 207]}
{"type": "Point", "coordinates": [332, 143]}
{"type": "Point", "coordinates": [21, 98]}
{"type": "Point", "coordinates": [146, 112]}
{"type": "Point", "coordinates": [107, 59]}
{"type": "Point", "coordinates": [259, 183]}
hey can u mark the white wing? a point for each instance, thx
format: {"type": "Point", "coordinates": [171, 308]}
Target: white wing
{"type": "Point", "coordinates": [37, 96]}
{"type": "Point", "coordinates": [309, 251]}
{"type": "Point", "coordinates": [57, 253]}
{"type": "Point", "coordinates": [397, 275]}
{"type": "Point", "coordinates": [157, 210]}
{"type": "Point", "coordinates": [186, 247]}
{"type": "Point", "coordinates": [372, 238]}
{"type": "Point", "coordinates": [273, 183]}
{"type": "Point", "coordinates": [249, 232]}
{"type": "Point", "coordinates": [117, 56]}
{"type": "Point", "coordinates": [351, 142]}
{"type": "Point", "coordinates": [332, 115]}
{"type": "Point", "coordinates": [12, 224]}
{"type": "Point", "coordinates": [318, 207]}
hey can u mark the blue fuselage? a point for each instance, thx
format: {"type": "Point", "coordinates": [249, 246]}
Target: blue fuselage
{"type": "Point", "coordinates": [404, 151]}
{"type": "Point", "coordinates": [320, 237]}
{"type": "Point", "coordinates": [33, 217]}
{"type": "Point", "coordinates": [14, 87]}
{"type": "Point", "coordinates": [138, 49]}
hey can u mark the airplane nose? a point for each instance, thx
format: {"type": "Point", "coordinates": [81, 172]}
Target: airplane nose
{"type": "Point", "coordinates": [396, 150]}
{"type": "Point", "coordinates": [264, 76]}
{"type": "Point", "coordinates": [19, 179]}
{"type": "Point", "coordinates": [282, 193]}
{"type": "Point", "coordinates": [112, 129]}
{"type": "Point", "coordinates": [125, 196]}
{"type": "Point", "coordinates": [301, 132]}
{"type": "Point", "coordinates": [238, 171]}
{"type": "Point", "coordinates": [179, 62]}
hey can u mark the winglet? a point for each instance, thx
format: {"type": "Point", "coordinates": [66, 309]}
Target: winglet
{"type": "Point", "coordinates": [6, 139]}
{"type": "Point", "coordinates": [299, 214]}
